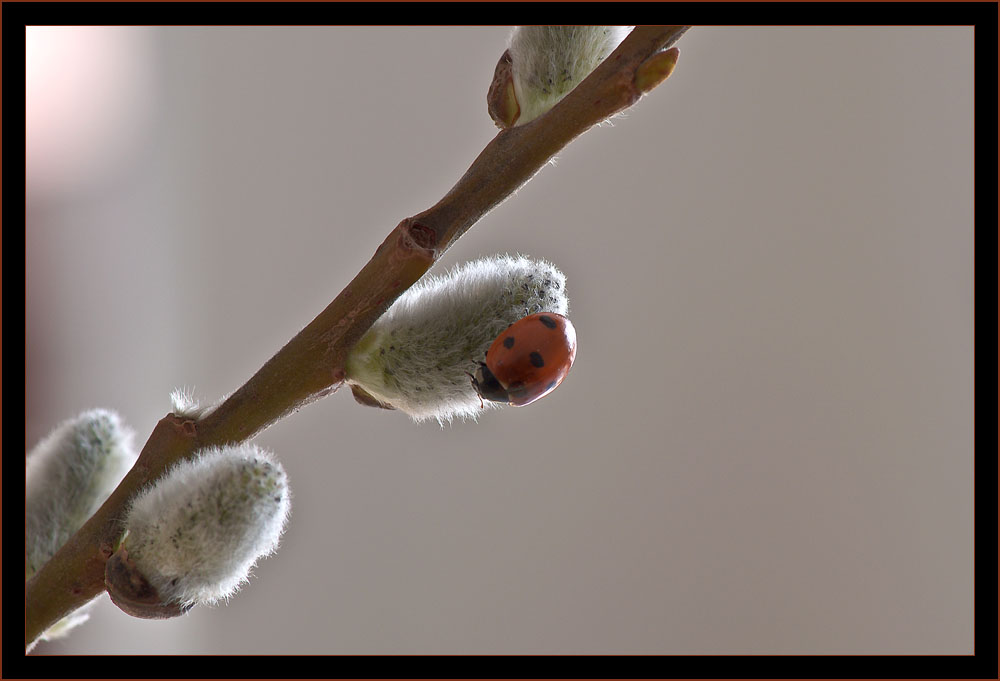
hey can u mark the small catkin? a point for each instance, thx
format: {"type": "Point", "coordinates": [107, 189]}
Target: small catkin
{"type": "Point", "coordinates": [68, 475]}
{"type": "Point", "coordinates": [547, 62]}
{"type": "Point", "coordinates": [196, 533]}
{"type": "Point", "coordinates": [184, 404]}
{"type": "Point", "coordinates": [419, 355]}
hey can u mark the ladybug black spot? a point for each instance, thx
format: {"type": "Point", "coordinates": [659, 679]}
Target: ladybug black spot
{"type": "Point", "coordinates": [508, 342]}
{"type": "Point", "coordinates": [536, 360]}
{"type": "Point", "coordinates": [547, 321]}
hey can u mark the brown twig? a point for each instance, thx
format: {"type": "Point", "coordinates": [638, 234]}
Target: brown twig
{"type": "Point", "coordinates": [311, 365]}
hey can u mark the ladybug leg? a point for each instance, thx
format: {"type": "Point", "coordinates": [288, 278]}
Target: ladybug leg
{"type": "Point", "coordinates": [475, 387]}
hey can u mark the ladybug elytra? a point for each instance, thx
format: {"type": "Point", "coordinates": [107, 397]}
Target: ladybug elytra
{"type": "Point", "coordinates": [527, 360]}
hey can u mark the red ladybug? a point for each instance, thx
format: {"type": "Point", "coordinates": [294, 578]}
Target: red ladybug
{"type": "Point", "coordinates": [528, 360]}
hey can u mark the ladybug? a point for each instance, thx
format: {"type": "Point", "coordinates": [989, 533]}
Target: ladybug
{"type": "Point", "coordinates": [528, 360]}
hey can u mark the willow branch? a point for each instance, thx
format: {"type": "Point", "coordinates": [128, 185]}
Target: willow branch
{"type": "Point", "coordinates": [311, 365]}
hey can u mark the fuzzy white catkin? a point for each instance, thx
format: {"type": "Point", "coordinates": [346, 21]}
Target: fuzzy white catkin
{"type": "Point", "coordinates": [196, 533]}
{"type": "Point", "coordinates": [418, 356]}
{"type": "Point", "coordinates": [549, 61]}
{"type": "Point", "coordinates": [68, 475]}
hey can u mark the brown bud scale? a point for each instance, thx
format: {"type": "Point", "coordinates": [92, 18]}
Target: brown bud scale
{"type": "Point", "coordinates": [131, 592]}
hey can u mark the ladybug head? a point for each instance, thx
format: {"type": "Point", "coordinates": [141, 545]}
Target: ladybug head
{"type": "Point", "coordinates": [487, 385]}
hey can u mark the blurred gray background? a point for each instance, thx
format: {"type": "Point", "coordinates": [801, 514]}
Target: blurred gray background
{"type": "Point", "coordinates": [765, 445]}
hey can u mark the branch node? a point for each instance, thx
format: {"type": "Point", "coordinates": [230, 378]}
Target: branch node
{"type": "Point", "coordinates": [418, 237]}
{"type": "Point", "coordinates": [184, 426]}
